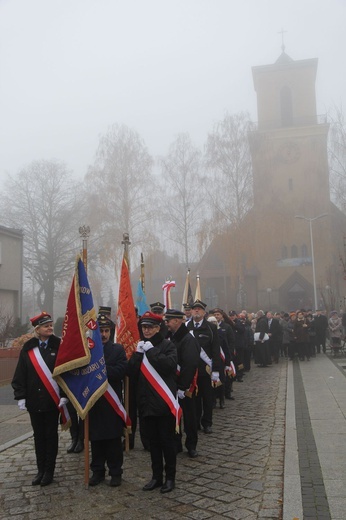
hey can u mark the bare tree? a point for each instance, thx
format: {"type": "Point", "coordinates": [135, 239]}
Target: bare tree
{"type": "Point", "coordinates": [337, 156]}
{"type": "Point", "coordinates": [44, 202]}
{"type": "Point", "coordinates": [228, 158]}
{"type": "Point", "coordinates": [183, 194]}
{"type": "Point", "coordinates": [121, 189]}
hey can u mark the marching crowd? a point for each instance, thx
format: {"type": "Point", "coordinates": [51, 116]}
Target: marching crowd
{"type": "Point", "coordinates": [185, 365]}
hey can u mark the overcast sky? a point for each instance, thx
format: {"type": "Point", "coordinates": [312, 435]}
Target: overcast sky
{"type": "Point", "coordinates": [71, 68]}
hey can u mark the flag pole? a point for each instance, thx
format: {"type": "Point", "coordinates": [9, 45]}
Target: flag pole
{"type": "Point", "coordinates": [84, 232]}
{"type": "Point", "coordinates": [186, 289]}
{"type": "Point", "coordinates": [126, 243]}
{"type": "Point", "coordinates": [198, 289]}
{"type": "Point", "coordinates": [142, 273]}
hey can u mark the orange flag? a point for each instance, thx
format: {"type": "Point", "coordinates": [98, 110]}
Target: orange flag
{"type": "Point", "coordinates": [126, 323]}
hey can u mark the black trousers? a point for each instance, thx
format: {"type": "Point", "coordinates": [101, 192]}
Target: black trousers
{"type": "Point", "coordinates": [320, 340]}
{"type": "Point", "coordinates": [45, 426]}
{"type": "Point", "coordinates": [262, 353]}
{"type": "Point", "coordinates": [204, 401]}
{"type": "Point", "coordinates": [161, 434]}
{"type": "Point", "coordinates": [228, 387]}
{"type": "Point", "coordinates": [77, 424]}
{"type": "Point", "coordinates": [190, 423]}
{"type": "Point", "coordinates": [107, 451]}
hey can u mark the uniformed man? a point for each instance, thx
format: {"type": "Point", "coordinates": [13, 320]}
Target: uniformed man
{"type": "Point", "coordinates": [209, 364]}
{"type": "Point", "coordinates": [105, 424]}
{"type": "Point", "coordinates": [188, 351]}
{"type": "Point", "coordinates": [224, 325]}
{"type": "Point", "coordinates": [187, 312]}
{"type": "Point", "coordinates": [158, 308]}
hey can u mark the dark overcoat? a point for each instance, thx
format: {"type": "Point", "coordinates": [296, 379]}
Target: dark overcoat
{"type": "Point", "coordinates": [208, 339]}
{"type": "Point", "coordinates": [104, 422]}
{"type": "Point", "coordinates": [188, 351]}
{"type": "Point", "coordinates": [27, 384]}
{"type": "Point", "coordinates": [163, 358]}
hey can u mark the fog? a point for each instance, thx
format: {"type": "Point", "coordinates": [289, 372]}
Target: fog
{"type": "Point", "coordinates": [71, 68]}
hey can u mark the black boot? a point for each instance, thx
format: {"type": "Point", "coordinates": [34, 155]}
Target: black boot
{"type": "Point", "coordinates": [72, 446]}
{"type": "Point", "coordinates": [79, 446]}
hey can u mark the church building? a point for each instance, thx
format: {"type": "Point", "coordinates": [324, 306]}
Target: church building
{"type": "Point", "coordinates": [268, 261]}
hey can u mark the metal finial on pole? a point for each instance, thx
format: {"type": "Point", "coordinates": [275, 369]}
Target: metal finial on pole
{"type": "Point", "coordinates": [126, 243]}
{"type": "Point", "coordinates": [142, 278]}
{"type": "Point", "coordinates": [84, 232]}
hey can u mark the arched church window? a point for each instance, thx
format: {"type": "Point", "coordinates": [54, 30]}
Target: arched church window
{"type": "Point", "coordinates": [286, 106]}
{"type": "Point", "coordinates": [304, 251]}
{"type": "Point", "coordinates": [284, 252]}
{"type": "Point", "coordinates": [294, 252]}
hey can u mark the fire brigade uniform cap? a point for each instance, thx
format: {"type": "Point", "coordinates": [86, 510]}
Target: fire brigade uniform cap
{"type": "Point", "coordinates": [105, 310]}
{"type": "Point", "coordinates": [233, 313]}
{"type": "Point", "coordinates": [42, 318]}
{"type": "Point", "coordinates": [187, 306]}
{"type": "Point", "coordinates": [105, 322]}
{"type": "Point", "coordinates": [174, 313]}
{"type": "Point", "coordinates": [198, 303]}
{"type": "Point", "coordinates": [149, 318]}
{"type": "Point", "coordinates": [157, 307]}
{"type": "Point", "coordinates": [217, 309]}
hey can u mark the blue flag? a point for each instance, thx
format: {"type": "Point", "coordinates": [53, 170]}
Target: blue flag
{"type": "Point", "coordinates": [141, 301]}
{"type": "Point", "coordinates": [80, 367]}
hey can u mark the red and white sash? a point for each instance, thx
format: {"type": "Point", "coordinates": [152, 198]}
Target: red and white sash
{"type": "Point", "coordinates": [232, 372]}
{"type": "Point", "coordinates": [156, 381]}
{"type": "Point", "coordinates": [222, 354]}
{"type": "Point", "coordinates": [114, 401]}
{"type": "Point", "coordinates": [51, 386]}
{"type": "Point", "coordinates": [193, 384]}
{"type": "Point", "coordinates": [204, 357]}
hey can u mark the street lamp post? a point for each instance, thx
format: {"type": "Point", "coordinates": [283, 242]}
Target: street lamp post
{"type": "Point", "coordinates": [310, 220]}
{"type": "Point", "coordinates": [269, 292]}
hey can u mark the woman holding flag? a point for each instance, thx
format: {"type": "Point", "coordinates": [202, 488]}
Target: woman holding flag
{"type": "Point", "coordinates": [154, 366]}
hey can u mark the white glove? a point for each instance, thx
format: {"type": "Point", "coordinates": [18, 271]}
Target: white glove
{"type": "Point", "coordinates": [21, 404]}
{"type": "Point", "coordinates": [147, 346]}
{"type": "Point", "coordinates": [139, 347]}
{"type": "Point", "coordinates": [181, 394]}
{"type": "Point", "coordinates": [228, 369]}
{"type": "Point", "coordinates": [215, 376]}
{"type": "Point", "coordinates": [62, 401]}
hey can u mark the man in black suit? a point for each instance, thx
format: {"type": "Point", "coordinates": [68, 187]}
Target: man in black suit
{"type": "Point", "coordinates": [275, 336]}
{"type": "Point", "coordinates": [321, 326]}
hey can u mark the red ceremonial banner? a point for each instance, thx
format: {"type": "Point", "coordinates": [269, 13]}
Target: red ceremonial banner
{"type": "Point", "coordinates": [126, 323]}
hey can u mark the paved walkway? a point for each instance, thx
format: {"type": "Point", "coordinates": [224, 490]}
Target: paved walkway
{"type": "Point", "coordinates": [248, 468]}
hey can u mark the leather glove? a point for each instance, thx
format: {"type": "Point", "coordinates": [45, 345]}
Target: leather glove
{"type": "Point", "coordinates": [215, 376]}
{"type": "Point", "coordinates": [181, 394]}
{"type": "Point", "coordinates": [147, 346]}
{"type": "Point", "coordinates": [139, 347]}
{"type": "Point", "coordinates": [62, 401]}
{"type": "Point", "coordinates": [21, 404]}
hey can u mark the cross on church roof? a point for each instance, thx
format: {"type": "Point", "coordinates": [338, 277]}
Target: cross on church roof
{"type": "Point", "coordinates": [282, 32]}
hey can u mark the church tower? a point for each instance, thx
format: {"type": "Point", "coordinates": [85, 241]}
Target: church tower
{"type": "Point", "coordinates": [290, 146]}
{"type": "Point", "coordinates": [291, 178]}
